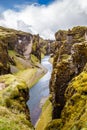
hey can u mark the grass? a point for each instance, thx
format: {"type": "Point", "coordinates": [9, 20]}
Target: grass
{"type": "Point", "coordinates": [28, 76]}
{"type": "Point", "coordinates": [13, 54]}
{"type": "Point", "coordinates": [13, 99]}
{"type": "Point", "coordinates": [13, 104]}
{"type": "Point", "coordinates": [11, 121]}
{"type": "Point", "coordinates": [46, 116]}
{"type": "Point", "coordinates": [51, 60]}
{"type": "Point", "coordinates": [42, 55]}
{"type": "Point", "coordinates": [34, 59]}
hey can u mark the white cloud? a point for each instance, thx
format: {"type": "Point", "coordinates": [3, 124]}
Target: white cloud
{"type": "Point", "coordinates": [46, 20]}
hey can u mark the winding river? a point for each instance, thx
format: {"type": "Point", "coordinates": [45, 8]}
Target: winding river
{"type": "Point", "coordinates": [39, 92]}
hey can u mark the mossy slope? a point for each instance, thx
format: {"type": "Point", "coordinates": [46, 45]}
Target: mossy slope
{"type": "Point", "coordinates": [14, 113]}
{"type": "Point", "coordinates": [45, 117]}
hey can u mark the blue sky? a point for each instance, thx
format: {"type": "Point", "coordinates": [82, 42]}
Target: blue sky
{"type": "Point", "coordinates": [11, 3]}
{"type": "Point", "coordinates": [44, 20]}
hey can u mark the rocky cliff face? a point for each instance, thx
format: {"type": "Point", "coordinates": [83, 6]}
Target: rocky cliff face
{"type": "Point", "coordinates": [78, 32]}
{"type": "Point", "coordinates": [17, 40]}
{"type": "Point", "coordinates": [17, 54]}
{"type": "Point", "coordinates": [36, 47]}
{"type": "Point", "coordinates": [4, 66]}
{"type": "Point", "coordinates": [22, 45]}
{"type": "Point", "coordinates": [68, 87]}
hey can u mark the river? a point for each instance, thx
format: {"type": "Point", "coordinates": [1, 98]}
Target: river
{"type": "Point", "coordinates": [39, 92]}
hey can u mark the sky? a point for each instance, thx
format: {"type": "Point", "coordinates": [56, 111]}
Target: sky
{"type": "Point", "coordinates": [43, 17]}
{"type": "Point", "coordinates": [10, 3]}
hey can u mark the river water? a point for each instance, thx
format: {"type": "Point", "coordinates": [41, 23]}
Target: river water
{"type": "Point", "coordinates": [39, 92]}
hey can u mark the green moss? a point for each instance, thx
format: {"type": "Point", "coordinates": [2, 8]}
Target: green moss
{"type": "Point", "coordinates": [55, 125]}
{"type": "Point", "coordinates": [65, 57]}
{"type": "Point", "coordinates": [42, 55]}
{"type": "Point", "coordinates": [13, 121]}
{"type": "Point", "coordinates": [14, 56]}
{"type": "Point", "coordinates": [1, 65]}
{"type": "Point", "coordinates": [75, 110]}
{"type": "Point", "coordinates": [13, 110]}
{"type": "Point", "coordinates": [12, 52]}
{"type": "Point", "coordinates": [51, 60]}
{"type": "Point", "coordinates": [45, 117]}
{"type": "Point", "coordinates": [34, 59]}
{"type": "Point", "coordinates": [78, 32]}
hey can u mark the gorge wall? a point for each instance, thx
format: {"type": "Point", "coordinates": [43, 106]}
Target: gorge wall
{"type": "Point", "coordinates": [20, 56]}
{"type": "Point", "coordinates": [23, 45]}
{"type": "Point", "coordinates": [68, 83]}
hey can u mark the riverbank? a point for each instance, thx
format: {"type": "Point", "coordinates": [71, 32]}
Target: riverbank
{"type": "Point", "coordinates": [14, 91]}
{"type": "Point", "coordinates": [51, 60]}
{"type": "Point", "coordinates": [45, 117]}
{"type": "Point", "coordinates": [46, 113]}
{"type": "Point", "coordinates": [32, 75]}
{"type": "Point", "coordinates": [41, 92]}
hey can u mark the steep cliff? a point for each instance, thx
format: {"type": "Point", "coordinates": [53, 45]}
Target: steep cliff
{"type": "Point", "coordinates": [20, 50]}
{"type": "Point", "coordinates": [36, 47]}
{"type": "Point", "coordinates": [20, 69]}
{"type": "Point", "coordinates": [4, 66]}
{"type": "Point", "coordinates": [78, 32]}
{"type": "Point", "coordinates": [68, 84]}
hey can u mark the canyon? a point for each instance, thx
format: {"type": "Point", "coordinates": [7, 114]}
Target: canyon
{"type": "Point", "coordinates": [21, 67]}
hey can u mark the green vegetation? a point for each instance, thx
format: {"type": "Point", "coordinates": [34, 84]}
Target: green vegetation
{"type": "Point", "coordinates": [28, 76]}
{"type": "Point", "coordinates": [14, 87]}
{"type": "Point", "coordinates": [78, 34]}
{"type": "Point", "coordinates": [13, 110]}
{"type": "Point", "coordinates": [42, 55]}
{"type": "Point", "coordinates": [34, 59]}
{"type": "Point", "coordinates": [13, 121]}
{"type": "Point", "coordinates": [74, 113]}
{"type": "Point", "coordinates": [51, 60]}
{"type": "Point", "coordinates": [68, 84]}
{"type": "Point", "coordinates": [46, 116]}
{"type": "Point", "coordinates": [54, 125]}
{"type": "Point", "coordinates": [15, 58]}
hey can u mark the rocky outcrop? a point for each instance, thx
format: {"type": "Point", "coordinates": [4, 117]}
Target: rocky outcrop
{"type": "Point", "coordinates": [73, 115]}
{"type": "Point", "coordinates": [78, 32]}
{"type": "Point", "coordinates": [24, 44]}
{"type": "Point", "coordinates": [69, 73]}
{"type": "Point", "coordinates": [19, 41]}
{"type": "Point", "coordinates": [64, 70]}
{"type": "Point", "coordinates": [4, 66]}
{"type": "Point", "coordinates": [19, 50]}
{"type": "Point", "coordinates": [36, 47]}
{"type": "Point", "coordinates": [17, 56]}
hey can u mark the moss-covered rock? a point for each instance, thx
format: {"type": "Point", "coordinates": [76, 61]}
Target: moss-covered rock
{"type": "Point", "coordinates": [68, 84]}
{"type": "Point", "coordinates": [74, 113]}
{"type": "Point", "coordinates": [54, 125]}
{"type": "Point", "coordinates": [13, 106]}
{"type": "Point", "coordinates": [45, 117]}
{"type": "Point", "coordinates": [4, 66]}
{"type": "Point", "coordinates": [36, 47]}
{"type": "Point", "coordinates": [78, 32]}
